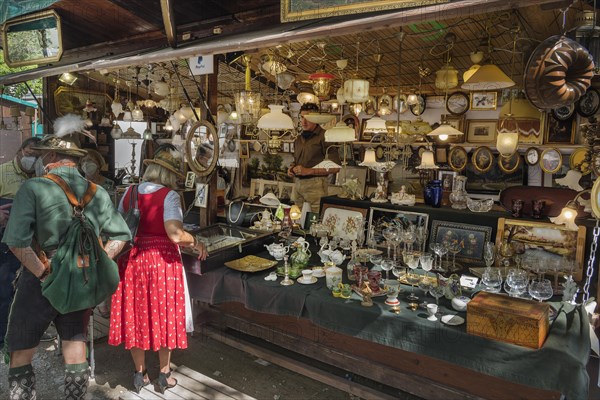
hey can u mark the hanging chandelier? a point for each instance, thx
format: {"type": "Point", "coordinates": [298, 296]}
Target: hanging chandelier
{"type": "Point", "coordinates": [321, 83]}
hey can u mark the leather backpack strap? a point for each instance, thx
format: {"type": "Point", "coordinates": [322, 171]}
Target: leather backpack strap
{"type": "Point", "coordinates": [87, 197]}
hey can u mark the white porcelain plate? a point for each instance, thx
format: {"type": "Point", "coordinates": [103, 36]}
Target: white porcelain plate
{"type": "Point", "coordinates": [343, 223]}
{"type": "Point", "coordinates": [450, 319]}
{"type": "Point", "coordinates": [308, 282]}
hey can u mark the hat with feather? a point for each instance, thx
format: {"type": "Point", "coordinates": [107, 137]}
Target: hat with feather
{"type": "Point", "coordinates": [62, 141]}
{"type": "Point", "coordinates": [169, 159]}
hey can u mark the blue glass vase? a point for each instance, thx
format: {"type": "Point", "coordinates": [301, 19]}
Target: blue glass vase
{"type": "Point", "coordinates": [433, 193]}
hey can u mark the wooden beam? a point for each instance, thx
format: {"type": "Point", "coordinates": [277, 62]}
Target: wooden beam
{"type": "Point", "coordinates": [166, 7]}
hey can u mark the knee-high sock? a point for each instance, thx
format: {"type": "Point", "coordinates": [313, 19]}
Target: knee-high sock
{"type": "Point", "coordinates": [21, 381]}
{"type": "Point", "coordinates": [77, 377]}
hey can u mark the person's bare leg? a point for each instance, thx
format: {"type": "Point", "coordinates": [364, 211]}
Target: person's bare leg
{"type": "Point", "coordinates": [164, 359]}
{"type": "Point", "coordinates": [139, 359]}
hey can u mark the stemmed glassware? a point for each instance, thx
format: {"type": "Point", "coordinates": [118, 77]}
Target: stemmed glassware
{"type": "Point", "coordinates": [397, 240]}
{"type": "Point", "coordinates": [421, 236]}
{"type": "Point", "coordinates": [387, 265]}
{"type": "Point", "coordinates": [409, 238]}
{"type": "Point", "coordinates": [516, 280]}
{"type": "Point", "coordinates": [453, 248]}
{"type": "Point", "coordinates": [376, 261]}
{"type": "Point", "coordinates": [437, 291]}
{"type": "Point", "coordinates": [541, 289]}
{"type": "Point", "coordinates": [489, 254]}
{"type": "Point", "coordinates": [412, 260]}
{"type": "Point", "coordinates": [492, 279]}
{"type": "Point", "coordinates": [439, 249]}
{"type": "Point", "coordinates": [426, 263]}
{"type": "Point", "coordinates": [389, 234]}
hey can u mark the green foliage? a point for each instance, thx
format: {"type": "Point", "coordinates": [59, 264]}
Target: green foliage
{"type": "Point", "coordinates": [273, 162]}
{"type": "Point", "coordinates": [19, 90]}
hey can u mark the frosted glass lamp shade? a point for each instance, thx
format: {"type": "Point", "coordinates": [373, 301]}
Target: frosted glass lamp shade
{"type": "Point", "coordinates": [276, 120]}
{"type": "Point", "coordinates": [340, 96]}
{"type": "Point", "coordinates": [566, 217]}
{"type": "Point", "coordinates": [116, 132]}
{"type": "Point", "coordinates": [427, 161]}
{"type": "Point", "coordinates": [305, 97]}
{"type": "Point", "coordinates": [376, 125]}
{"type": "Point", "coordinates": [507, 143]}
{"type": "Point", "coordinates": [356, 108]}
{"type": "Point", "coordinates": [446, 77]}
{"type": "Point", "coordinates": [356, 90]}
{"type": "Point", "coordinates": [412, 99]}
{"type": "Point", "coordinates": [284, 81]}
{"type": "Point", "coordinates": [247, 104]}
{"type": "Point", "coordinates": [318, 118]}
{"type": "Point", "coordinates": [369, 157]}
{"type": "Point", "coordinates": [127, 117]}
{"type": "Point", "coordinates": [444, 131]}
{"type": "Point", "coordinates": [327, 164]}
{"type": "Point", "coordinates": [340, 133]}
{"type": "Point", "coordinates": [117, 108]}
{"type": "Point", "coordinates": [137, 114]}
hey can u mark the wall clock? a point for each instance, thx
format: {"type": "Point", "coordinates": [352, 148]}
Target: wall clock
{"type": "Point", "coordinates": [457, 103]}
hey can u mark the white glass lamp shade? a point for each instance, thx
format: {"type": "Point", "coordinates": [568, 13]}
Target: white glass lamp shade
{"type": "Point", "coordinates": [127, 117]}
{"type": "Point", "coordinates": [340, 133]}
{"type": "Point", "coordinates": [376, 125]}
{"type": "Point", "coordinates": [222, 117]}
{"type": "Point", "coordinates": [274, 67]}
{"type": "Point", "coordinates": [369, 158]}
{"type": "Point", "coordinates": [105, 121]}
{"type": "Point", "coordinates": [305, 97]}
{"type": "Point", "coordinates": [446, 77]}
{"type": "Point", "coordinates": [488, 77]}
{"type": "Point", "coordinates": [327, 164]}
{"type": "Point", "coordinates": [248, 106]}
{"type": "Point", "coordinates": [180, 117]}
{"type": "Point", "coordinates": [412, 99]}
{"type": "Point", "coordinates": [137, 114]}
{"type": "Point", "coordinates": [116, 107]}
{"type": "Point", "coordinates": [149, 103]}
{"type": "Point", "coordinates": [318, 118]}
{"type": "Point", "coordinates": [284, 81]}
{"type": "Point", "coordinates": [147, 135]}
{"type": "Point", "coordinates": [234, 118]}
{"type": "Point", "coordinates": [427, 161]}
{"type": "Point", "coordinates": [295, 213]}
{"type": "Point", "coordinates": [341, 64]}
{"type": "Point", "coordinates": [116, 132]}
{"type": "Point", "coordinates": [356, 90]}
{"type": "Point", "coordinates": [444, 131]}
{"type": "Point", "coordinates": [507, 143]}
{"type": "Point", "coordinates": [187, 111]}
{"type": "Point", "coordinates": [68, 78]}
{"type": "Point", "coordinates": [340, 96]}
{"type": "Point", "coordinates": [275, 120]}
{"type": "Point", "coordinates": [321, 83]}
{"type": "Point", "coordinates": [567, 217]}
{"type": "Point", "coordinates": [168, 125]}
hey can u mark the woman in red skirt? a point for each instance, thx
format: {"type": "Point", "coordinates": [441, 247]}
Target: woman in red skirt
{"type": "Point", "coordinates": [148, 308]}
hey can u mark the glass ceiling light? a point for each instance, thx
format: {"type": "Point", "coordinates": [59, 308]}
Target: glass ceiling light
{"type": "Point", "coordinates": [247, 102]}
{"type": "Point", "coordinates": [127, 117]}
{"type": "Point", "coordinates": [444, 131]}
{"type": "Point", "coordinates": [318, 118]}
{"type": "Point", "coordinates": [507, 139]}
{"type": "Point", "coordinates": [369, 158]}
{"type": "Point", "coordinates": [305, 97]}
{"type": "Point", "coordinates": [427, 161]}
{"type": "Point", "coordinates": [567, 216]}
{"type": "Point", "coordinates": [116, 132]}
{"type": "Point", "coordinates": [385, 105]}
{"type": "Point", "coordinates": [376, 125]}
{"type": "Point", "coordinates": [137, 114]}
{"type": "Point", "coordinates": [68, 78]}
{"type": "Point", "coordinates": [412, 99]}
{"type": "Point", "coordinates": [161, 87]}
{"type": "Point", "coordinates": [116, 106]}
{"type": "Point", "coordinates": [356, 90]}
{"type": "Point", "coordinates": [446, 77]}
{"type": "Point", "coordinates": [339, 95]}
{"type": "Point", "coordinates": [168, 125]}
{"type": "Point", "coordinates": [273, 65]}
{"type": "Point", "coordinates": [284, 80]}
{"type": "Point", "coordinates": [275, 120]}
{"type": "Point", "coordinates": [356, 108]}
{"type": "Point", "coordinates": [321, 83]}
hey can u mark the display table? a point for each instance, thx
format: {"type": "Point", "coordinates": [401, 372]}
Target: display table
{"type": "Point", "coordinates": [407, 343]}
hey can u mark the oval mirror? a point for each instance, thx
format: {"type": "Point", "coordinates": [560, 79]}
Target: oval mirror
{"type": "Point", "coordinates": [32, 39]}
{"type": "Point", "coordinates": [202, 148]}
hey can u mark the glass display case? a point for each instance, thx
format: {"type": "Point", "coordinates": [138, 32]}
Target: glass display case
{"type": "Point", "coordinates": [224, 243]}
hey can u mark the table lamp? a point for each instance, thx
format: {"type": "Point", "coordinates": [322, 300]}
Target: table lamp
{"type": "Point", "coordinates": [569, 213]}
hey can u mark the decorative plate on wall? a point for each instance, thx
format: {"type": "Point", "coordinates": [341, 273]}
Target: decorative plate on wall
{"type": "Point", "coordinates": [589, 103]}
{"type": "Point", "coordinates": [563, 113]}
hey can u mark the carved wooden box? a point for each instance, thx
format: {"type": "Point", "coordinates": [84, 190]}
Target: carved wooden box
{"type": "Point", "coordinates": [508, 319]}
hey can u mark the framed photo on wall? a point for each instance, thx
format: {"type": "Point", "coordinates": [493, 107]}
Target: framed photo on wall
{"type": "Point", "coordinates": [559, 131]}
{"type": "Point", "coordinates": [481, 131]}
{"type": "Point", "coordinates": [201, 195]}
{"type": "Point", "coordinates": [244, 150]}
{"type": "Point", "coordinates": [483, 101]}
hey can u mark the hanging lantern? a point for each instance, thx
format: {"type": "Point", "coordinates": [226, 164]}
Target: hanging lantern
{"type": "Point", "coordinates": [446, 77]}
{"type": "Point", "coordinates": [356, 90]}
{"type": "Point", "coordinates": [247, 104]}
{"type": "Point", "coordinates": [321, 81]}
{"type": "Point", "coordinates": [137, 114]}
{"type": "Point", "coordinates": [508, 136]}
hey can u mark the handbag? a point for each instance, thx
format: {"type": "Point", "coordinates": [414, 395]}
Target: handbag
{"type": "Point", "coordinates": [242, 214]}
{"type": "Point", "coordinates": [132, 219]}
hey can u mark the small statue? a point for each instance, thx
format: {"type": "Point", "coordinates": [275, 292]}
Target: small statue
{"type": "Point", "coordinates": [570, 290]}
{"type": "Point", "coordinates": [366, 293]}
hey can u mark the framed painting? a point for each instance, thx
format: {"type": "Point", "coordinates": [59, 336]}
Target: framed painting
{"type": "Point", "coordinates": [457, 158]}
{"type": "Point", "coordinates": [484, 101]}
{"type": "Point", "coordinates": [483, 159]}
{"type": "Point", "coordinates": [72, 101]}
{"type": "Point", "coordinates": [297, 10]}
{"type": "Point", "coordinates": [481, 131]}
{"type": "Point", "coordinates": [544, 245]}
{"type": "Point", "coordinates": [360, 173]}
{"type": "Point", "coordinates": [381, 218]}
{"type": "Point", "coordinates": [558, 131]}
{"type": "Point", "coordinates": [447, 178]}
{"type": "Point", "coordinates": [471, 238]}
{"type": "Point", "coordinates": [244, 150]}
{"type": "Point", "coordinates": [494, 180]}
{"type": "Point", "coordinates": [201, 195]}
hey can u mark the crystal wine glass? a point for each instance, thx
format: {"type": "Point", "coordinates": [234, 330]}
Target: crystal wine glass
{"type": "Point", "coordinates": [389, 234]}
{"type": "Point", "coordinates": [489, 253]}
{"type": "Point", "coordinates": [397, 240]}
{"type": "Point", "coordinates": [376, 261]}
{"type": "Point", "coordinates": [412, 261]}
{"type": "Point", "coordinates": [541, 289]}
{"type": "Point", "coordinates": [440, 250]}
{"type": "Point", "coordinates": [453, 248]}
{"type": "Point", "coordinates": [409, 238]}
{"type": "Point", "coordinates": [426, 263]}
{"type": "Point", "coordinates": [492, 279]}
{"type": "Point", "coordinates": [437, 291]}
{"type": "Point", "coordinates": [516, 280]}
{"type": "Point", "coordinates": [387, 265]}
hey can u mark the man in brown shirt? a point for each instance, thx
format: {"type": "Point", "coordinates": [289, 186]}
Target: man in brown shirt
{"type": "Point", "coordinates": [310, 149]}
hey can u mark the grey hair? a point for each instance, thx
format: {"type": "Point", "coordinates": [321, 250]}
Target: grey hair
{"type": "Point", "coordinates": [159, 174]}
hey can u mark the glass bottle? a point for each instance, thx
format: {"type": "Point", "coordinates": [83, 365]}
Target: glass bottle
{"type": "Point", "coordinates": [459, 195]}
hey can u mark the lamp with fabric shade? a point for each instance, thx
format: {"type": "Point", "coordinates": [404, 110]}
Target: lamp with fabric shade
{"type": "Point", "coordinates": [356, 90]}
{"type": "Point", "coordinates": [488, 77]}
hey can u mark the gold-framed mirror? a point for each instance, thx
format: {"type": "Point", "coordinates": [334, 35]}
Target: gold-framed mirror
{"type": "Point", "coordinates": [32, 39]}
{"type": "Point", "coordinates": [202, 148]}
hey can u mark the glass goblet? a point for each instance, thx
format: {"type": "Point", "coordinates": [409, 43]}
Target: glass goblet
{"type": "Point", "coordinates": [492, 280]}
{"type": "Point", "coordinates": [389, 234]}
{"type": "Point", "coordinates": [437, 291]}
{"type": "Point", "coordinates": [412, 261]}
{"type": "Point", "coordinates": [440, 250]}
{"type": "Point", "coordinates": [387, 265]}
{"type": "Point", "coordinates": [376, 261]}
{"type": "Point", "coordinates": [516, 280]}
{"type": "Point", "coordinates": [541, 289]}
{"type": "Point", "coordinates": [454, 248]}
{"type": "Point", "coordinates": [489, 253]}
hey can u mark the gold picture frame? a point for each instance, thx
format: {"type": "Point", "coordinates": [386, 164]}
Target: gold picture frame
{"type": "Point", "coordinates": [481, 101]}
{"type": "Point", "coordinates": [547, 240]}
{"type": "Point", "coordinates": [72, 101]}
{"type": "Point", "coordinates": [510, 164]}
{"type": "Point", "coordinates": [559, 131]}
{"type": "Point", "coordinates": [297, 10]}
{"type": "Point", "coordinates": [483, 159]}
{"type": "Point", "coordinates": [481, 130]}
{"type": "Point", "coordinates": [458, 158]}
{"type": "Point", "coordinates": [551, 160]}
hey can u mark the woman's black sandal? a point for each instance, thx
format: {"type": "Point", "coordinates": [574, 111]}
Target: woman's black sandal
{"type": "Point", "coordinates": [140, 379]}
{"type": "Point", "coordinates": [163, 382]}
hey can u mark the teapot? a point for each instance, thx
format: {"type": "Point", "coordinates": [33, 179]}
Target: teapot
{"type": "Point", "coordinates": [265, 216]}
{"type": "Point", "coordinates": [277, 250]}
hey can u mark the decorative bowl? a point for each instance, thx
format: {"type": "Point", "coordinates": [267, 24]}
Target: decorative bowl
{"type": "Point", "coordinates": [480, 205]}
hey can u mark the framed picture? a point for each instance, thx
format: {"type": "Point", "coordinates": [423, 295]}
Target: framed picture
{"type": "Point", "coordinates": [481, 131]}
{"type": "Point", "coordinates": [457, 158]}
{"type": "Point", "coordinates": [381, 218]}
{"type": "Point", "coordinates": [472, 239]}
{"type": "Point", "coordinates": [223, 129]}
{"type": "Point", "coordinates": [292, 147]}
{"type": "Point", "coordinates": [190, 180]}
{"type": "Point", "coordinates": [286, 147]}
{"type": "Point", "coordinates": [531, 130]}
{"type": "Point", "coordinates": [544, 244]}
{"type": "Point", "coordinates": [447, 178]}
{"type": "Point", "coordinates": [494, 180]}
{"type": "Point", "coordinates": [509, 164]}
{"type": "Point", "coordinates": [551, 160]}
{"type": "Point", "coordinates": [360, 173]}
{"type": "Point", "coordinates": [483, 159]}
{"type": "Point", "coordinates": [365, 136]}
{"type": "Point", "coordinates": [559, 131]}
{"type": "Point", "coordinates": [343, 221]}
{"type": "Point", "coordinates": [201, 195]}
{"type": "Point", "coordinates": [483, 101]}
{"type": "Point", "coordinates": [244, 150]}
{"type": "Point", "coordinates": [71, 101]}
{"type": "Point", "coordinates": [441, 154]}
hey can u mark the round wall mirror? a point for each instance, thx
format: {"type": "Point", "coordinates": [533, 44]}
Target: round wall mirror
{"type": "Point", "coordinates": [202, 148]}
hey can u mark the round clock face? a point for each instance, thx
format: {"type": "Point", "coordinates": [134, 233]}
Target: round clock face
{"type": "Point", "coordinates": [457, 103]}
{"type": "Point", "coordinates": [417, 109]}
{"type": "Point", "coordinates": [532, 156]}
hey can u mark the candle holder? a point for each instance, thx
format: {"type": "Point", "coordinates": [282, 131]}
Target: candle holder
{"type": "Point", "coordinates": [286, 280]}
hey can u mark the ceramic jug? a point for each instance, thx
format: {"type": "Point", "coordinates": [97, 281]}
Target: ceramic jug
{"type": "Point", "coordinates": [300, 258]}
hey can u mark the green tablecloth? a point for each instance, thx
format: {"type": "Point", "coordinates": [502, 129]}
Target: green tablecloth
{"type": "Point", "coordinates": [559, 365]}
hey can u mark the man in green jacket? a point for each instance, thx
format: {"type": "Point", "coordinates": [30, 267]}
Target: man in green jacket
{"type": "Point", "coordinates": [39, 218]}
